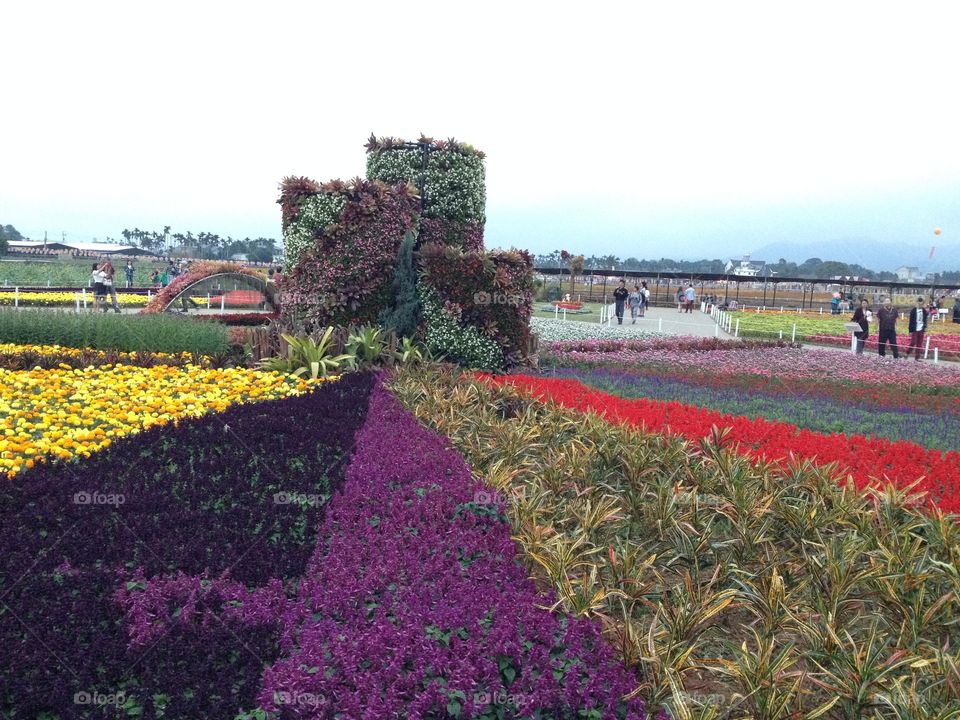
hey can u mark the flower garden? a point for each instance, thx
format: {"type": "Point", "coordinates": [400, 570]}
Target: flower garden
{"type": "Point", "coordinates": [828, 329]}
{"type": "Point", "coordinates": [429, 504]}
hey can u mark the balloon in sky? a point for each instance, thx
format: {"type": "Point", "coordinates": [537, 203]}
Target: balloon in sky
{"type": "Point", "coordinates": [936, 231]}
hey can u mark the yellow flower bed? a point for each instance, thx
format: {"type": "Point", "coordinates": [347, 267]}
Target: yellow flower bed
{"type": "Point", "coordinates": [61, 299]}
{"type": "Point", "coordinates": [66, 413]}
{"type": "Point", "coordinates": [70, 352]}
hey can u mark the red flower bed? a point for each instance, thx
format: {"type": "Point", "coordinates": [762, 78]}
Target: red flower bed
{"type": "Point", "coordinates": [867, 460]}
{"type": "Point", "coordinates": [571, 305]}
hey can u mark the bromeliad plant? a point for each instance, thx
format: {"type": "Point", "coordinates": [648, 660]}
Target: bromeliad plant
{"type": "Point", "coordinates": [306, 355]}
{"type": "Point", "coordinates": [738, 588]}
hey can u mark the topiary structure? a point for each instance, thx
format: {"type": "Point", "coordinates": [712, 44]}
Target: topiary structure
{"type": "Point", "coordinates": [342, 241]}
{"type": "Point", "coordinates": [405, 248]}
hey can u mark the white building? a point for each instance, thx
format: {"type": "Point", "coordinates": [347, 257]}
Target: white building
{"type": "Point", "coordinates": [908, 273]}
{"type": "Point", "coordinates": [745, 267]}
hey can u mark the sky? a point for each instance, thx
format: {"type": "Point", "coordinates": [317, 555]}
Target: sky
{"type": "Point", "coordinates": [638, 129]}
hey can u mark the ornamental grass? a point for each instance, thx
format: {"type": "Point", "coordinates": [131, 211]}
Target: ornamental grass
{"type": "Point", "coordinates": [737, 588]}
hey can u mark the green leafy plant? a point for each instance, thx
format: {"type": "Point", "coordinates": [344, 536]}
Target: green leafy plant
{"type": "Point", "coordinates": [306, 355]}
{"type": "Point", "coordinates": [366, 346]}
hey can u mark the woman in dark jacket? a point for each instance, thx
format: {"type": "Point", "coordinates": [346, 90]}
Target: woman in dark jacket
{"type": "Point", "coordinates": [860, 317]}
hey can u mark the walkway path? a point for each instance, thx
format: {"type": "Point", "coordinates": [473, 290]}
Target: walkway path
{"type": "Point", "coordinates": [672, 322]}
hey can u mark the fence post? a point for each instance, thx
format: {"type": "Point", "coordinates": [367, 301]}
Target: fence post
{"type": "Point", "coordinates": [716, 330]}
{"type": "Point", "coordinates": [208, 301]}
{"type": "Point", "coordinates": [781, 309]}
{"type": "Point", "coordinates": [223, 301]}
{"type": "Point", "coordinates": [564, 313]}
{"type": "Point", "coordinates": [16, 297]}
{"type": "Point", "coordinates": [84, 291]}
{"type": "Point", "coordinates": [793, 338]}
{"type": "Point", "coordinates": [781, 334]}
{"type": "Point", "coordinates": [926, 348]}
{"type": "Point", "coordinates": [76, 296]}
{"type": "Point", "coordinates": [936, 354]}
{"type": "Point", "coordinates": [736, 330]}
{"type": "Point", "coordinates": [660, 325]}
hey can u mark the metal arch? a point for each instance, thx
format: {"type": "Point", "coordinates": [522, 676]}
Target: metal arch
{"type": "Point", "coordinates": [251, 281]}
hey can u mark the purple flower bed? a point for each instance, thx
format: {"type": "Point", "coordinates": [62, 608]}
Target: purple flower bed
{"type": "Point", "coordinates": [147, 580]}
{"type": "Point", "coordinates": [415, 604]}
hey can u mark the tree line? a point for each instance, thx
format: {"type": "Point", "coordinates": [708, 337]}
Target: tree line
{"type": "Point", "coordinates": [810, 268]}
{"type": "Point", "coordinates": [204, 245]}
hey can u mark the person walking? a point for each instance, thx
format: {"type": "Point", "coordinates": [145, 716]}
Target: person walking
{"type": "Point", "coordinates": [620, 296]}
{"type": "Point", "coordinates": [644, 298]}
{"type": "Point", "coordinates": [108, 277]}
{"type": "Point", "coordinates": [128, 271]}
{"type": "Point", "coordinates": [691, 296]}
{"type": "Point", "coordinates": [635, 300]}
{"type": "Point", "coordinates": [917, 327]}
{"type": "Point", "coordinates": [861, 317]}
{"type": "Point", "coordinates": [887, 323]}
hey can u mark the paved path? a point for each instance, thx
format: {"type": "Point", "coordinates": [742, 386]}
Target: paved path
{"type": "Point", "coordinates": [672, 322]}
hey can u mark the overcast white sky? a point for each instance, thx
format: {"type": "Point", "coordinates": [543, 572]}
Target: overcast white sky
{"type": "Point", "coordinates": [640, 129]}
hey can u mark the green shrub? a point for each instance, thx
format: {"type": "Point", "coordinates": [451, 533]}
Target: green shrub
{"type": "Point", "coordinates": [107, 331]}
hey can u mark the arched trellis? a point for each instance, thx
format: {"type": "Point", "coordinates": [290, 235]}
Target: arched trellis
{"type": "Point", "coordinates": [250, 282]}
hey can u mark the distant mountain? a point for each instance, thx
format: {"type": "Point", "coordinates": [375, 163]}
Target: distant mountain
{"type": "Point", "coordinates": [865, 252]}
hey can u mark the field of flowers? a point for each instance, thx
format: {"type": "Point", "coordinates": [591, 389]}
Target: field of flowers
{"type": "Point", "coordinates": [824, 409]}
{"type": "Point", "coordinates": [551, 330]}
{"type": "Point", "coordinates": [735, 587]}
{"type": "Point", "coordinates": [63, 299]}
{"type": "Point", "coordinates": [828, 329]}
{"type": "Point", "coordinates": [655, 527]}
{"type": "Point", "coordinates": [249, 564]}
{"type": "Point", "coordinates": [69, 412]}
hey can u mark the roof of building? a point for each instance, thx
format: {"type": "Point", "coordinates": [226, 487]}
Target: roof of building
{"type": "Point", "coordinates": [94, 247]}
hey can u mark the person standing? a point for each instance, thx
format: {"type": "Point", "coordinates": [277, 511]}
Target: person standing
{"type": "Point", "coordinates": [128, 270]}
{"type": "Point", "coordinates": [99, 289]}
{"type": "Point", "coordinates": [644, 298]}
{"type": "Point", "coordinates": [635, 300]}
{"type": "Point", "coordinates": [861, 317]}
{"type": "Point", "coordinates": [887, 323]}
{"type": "Point", "coordinates": [691, 296]}
{"type": "Point", "coordinates": [917, 327]}
{"type": "Point", "coordinates": [620, 296]}
{"type": "Point", "coordinates": [108, 277]}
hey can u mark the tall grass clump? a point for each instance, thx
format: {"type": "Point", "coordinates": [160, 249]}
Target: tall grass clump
{"type": "Point", "coordinates": [108, 331]}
